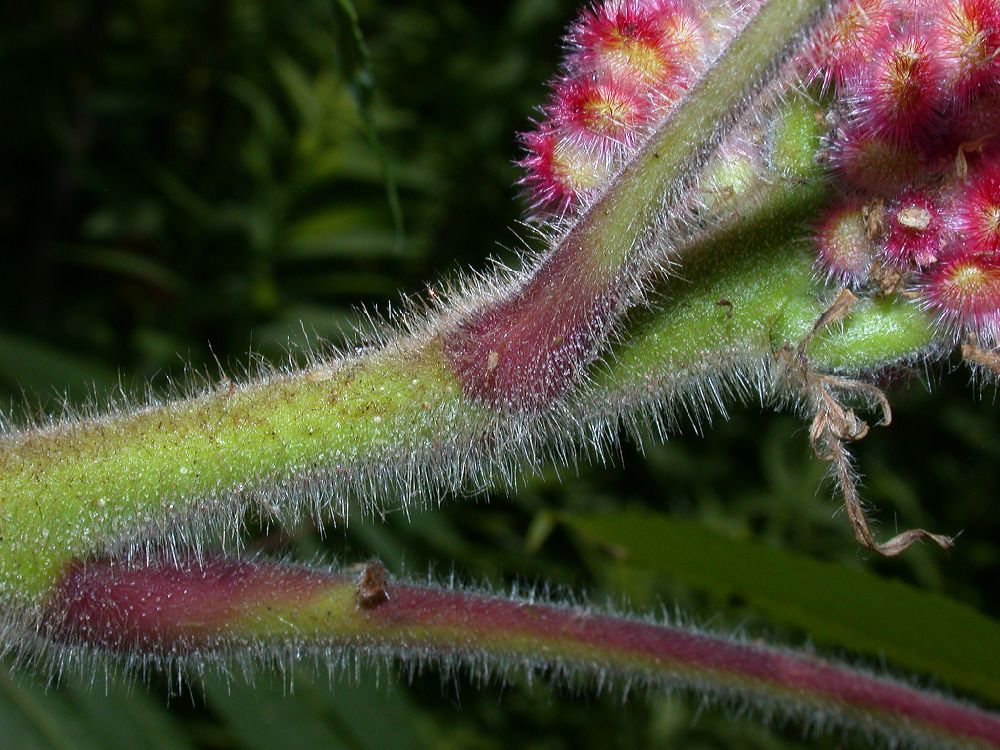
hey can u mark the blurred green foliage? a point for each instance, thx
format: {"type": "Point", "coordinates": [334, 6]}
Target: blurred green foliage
{"type": "Point", "coordinates": [184, 182]}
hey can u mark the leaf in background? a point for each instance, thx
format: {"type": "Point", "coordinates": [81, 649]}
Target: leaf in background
{"type": "Point", "coordinates": [132, 265]}
{"type": "Point", "coordinates": [31, 364]}
{"type": "Point", "coordinates": [30, 718]}
{"type": "Point", "coordinates": [98, 716]}
{"type": "Point", "coordinates": [354, 62]}
{"type": "Point", "coordinates": [119, 712]}
{"type": "Point", "coordinates": [299, 90]}
{"type": "Point", "coordinates": [356, 715]}
{"type": "Point", "coordinates": [836, 605]}
{"type": "Point", "coordinates": [261, 106]}
{"type": "Point", "coordinates": [343, 231]}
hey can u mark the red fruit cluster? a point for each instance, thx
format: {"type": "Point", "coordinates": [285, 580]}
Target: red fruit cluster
{"type": "Point", "coordinates": [629, 62]}
{"type": "Point", "coordinates": [914, 91]}
{"type": "Point", "coordinates": [964, 288]}
{"type": "Point", "coordinates": [843, 46]}
{"type": "Point", "coordinates": [913, 80]}
{"type": "Point", "coordinates": [915, 86]}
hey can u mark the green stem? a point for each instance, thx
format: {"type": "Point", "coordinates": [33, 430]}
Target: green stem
{"type": "Point", "coordinates": [397, 424]}
{"type": "Point", "coordinates": [752, 292]}
{"type": "Point", "coordinates": [652, 185]}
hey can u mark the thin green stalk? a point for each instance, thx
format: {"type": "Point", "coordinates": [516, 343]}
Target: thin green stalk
{"type": "Point", "coordinates": [359, 428]}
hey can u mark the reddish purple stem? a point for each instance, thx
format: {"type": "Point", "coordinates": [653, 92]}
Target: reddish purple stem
{"type": "Point", "coordinates": [169, 608]}
{"type": "Point", "coordinates": [524, 351]}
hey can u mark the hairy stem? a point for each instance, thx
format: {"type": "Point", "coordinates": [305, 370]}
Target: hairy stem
{"type": "Point", "coordinates": [104, 519]}
{"type": "Point", "coordinates": [172, 612]}
{"type": "Point", "coordinates": [396, 422]}
{"type": "Point", "coordinates": [367, 429]}
{"type": "Point", "coordinates": [525, 350]}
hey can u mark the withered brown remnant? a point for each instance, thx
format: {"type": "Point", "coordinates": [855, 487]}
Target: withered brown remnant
{"type": "Point", "coordinates": [835, 425]}
{"type": "Point", "coordinates": [371, 587]}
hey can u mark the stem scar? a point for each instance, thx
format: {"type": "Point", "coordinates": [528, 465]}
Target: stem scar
{"type": "Point", "coordinates": [371, 585]}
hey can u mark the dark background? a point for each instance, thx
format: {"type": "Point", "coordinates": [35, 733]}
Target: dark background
{"type": "Point", "coordinates": [185, 181]}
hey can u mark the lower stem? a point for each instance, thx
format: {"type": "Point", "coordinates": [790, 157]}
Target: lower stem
{"type": "Point", "coordinates": [183, 611]}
